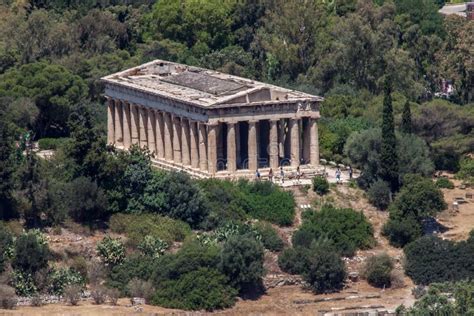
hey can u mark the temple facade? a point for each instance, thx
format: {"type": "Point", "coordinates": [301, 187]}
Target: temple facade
{"type": "Point", "coordinates": [211, 124]}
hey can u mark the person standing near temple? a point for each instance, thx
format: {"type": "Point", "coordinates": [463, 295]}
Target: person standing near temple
{"type": "Point", "coordinates": [338, 175]}
{"type": "Point", "coordinates": [270, 175]}
{"type": "Point", "coordinates": [257, 175]}
{"type": "Point", "coordinates": [282, 175]}
{"type": "Point", "coordinates": [298, 174]}
{"type": "Point", "coordinates": [350, 173]}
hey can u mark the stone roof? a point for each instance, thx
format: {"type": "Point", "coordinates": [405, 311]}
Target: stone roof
{"type": "Point", "coordinates": [202, 87]}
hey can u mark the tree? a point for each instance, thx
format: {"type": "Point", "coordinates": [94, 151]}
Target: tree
{"type": "Point", "coordinates": [377, 270]}
{"type": "Point", "coordinates": [242, 261]}
{"type": "Point", "coordinates": [6, 242]}
{"type": "Point", "coordinates": [31, 253]}
{"type": "Point", "coordinates": [85, 201]}
{"type": "Point", "coordinates": [388, 148]}
{"type": "Point", "coordinates": [7, 168]}
{"type": "Point", "coordinates": [405, 126]}
{"type": "Point", "coordinates": [54, 90]}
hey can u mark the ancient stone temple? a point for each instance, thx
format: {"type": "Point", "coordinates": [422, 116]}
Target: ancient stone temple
{"type": "Point", "coordinates": [210, 123]}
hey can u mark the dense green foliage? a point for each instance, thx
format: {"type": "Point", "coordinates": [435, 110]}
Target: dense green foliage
{"type": "Point", "coordinates": [111, 250]}
{"type": "Point", "coordinates": [320, 185]}
{"type": "Point", "coordinates": [6, 242]}
{"type": "Point", "coordinates": [31, 253]}
{"type": "Point", "coordinates": [269, 236]}
{"type": "Point", "coordinates": [379, 194]}
{"type": "Point", "coordinates": [418, 198]}
{"type": "Point", "coordinates": [444, 183]}
{"type": "Point", "coordinates": [450, 298]}
{"type": "Point", "coordinates": [347, 229]}
{"type": "Point", "coordinates": [406, 124]}
{"type": "Point", "coordinates": [432, 259]}
{"type": "Point", "coordinates": [377, 270]}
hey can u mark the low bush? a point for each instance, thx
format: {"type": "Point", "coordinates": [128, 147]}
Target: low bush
{"type": "Point", "coordinates": [95, 272]}
{"type": "Point", "coordinates": [346, 229]}
{"type": "Point", "coordinates": [326, 271]}
{"type": "Point", "coordinates": [99, 295]}
{"type": "Point", "coordinates": [444, 183]}
{"type": "Point", "coordinates": [62, 278]}
{"type": "Point", "coordinates": [269, 237]}
{"type": "Point", "coordinates": [113, 295]}
{"type": "Point", "coordinates": [23, 283]}
{"type": "Point", "coordinates": [379, 194]}
{"type": "Point", "coordinates": [111, 250]}
{"type": "Point", "coordinates": [140, 288]}
{"type": "Point", "coordinates": [134, 266]}
{"type": "Point", "coordinates": [8, 299]}
{"type": "Point", "coordinates": [202, 289]}
{"type": "Point", "coordinates": [320, 185]}
{"type": "Point", "coordinates": [466, 170]}
{"type": "Point", "coordinates": [152, 247]}
{"type": "Point", "coordinates": [137, 226]}
{"type": "Point", "coordinates": [31, 252]}
{"type": "Point", "coordinates": [377, 270]}
{"type": "Point", "coordinates": [401, 230]}
{"type": "Point", "coordinates": [293, 260]}
{"type": "Point", "coordinates": [241, 260]}
{"type": "Point", "coordinates": [51, 143]}
{"type": "Point", "coordinates": [6, 242]}
{"type": "Point", "coordinates": [72, 294]}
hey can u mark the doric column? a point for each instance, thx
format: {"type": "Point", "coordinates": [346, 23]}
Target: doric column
{"type": "Point", "coordinates": [252, 143]}
{"type": "Point", "coordinates": [151, 125]}
{"type": "Point", "coordinates": [273, 149]}
{"type": "Point", "coordinates": [160, 131]}
{"type": "Point", "coordinates": [281, 138]}
{"type": "Point", "coordinates": [231, 148]}
{"type": "Point", "coordinates": [110, 121]}
{"type": "Point", "coordinates": [127, 137]}
{"type": "Point", "coordinates": [177, 139]}
{"type": "Point", "coordinates": [295, 142]}
{"type": "Point", "coordinates": [168, 136]}
{"type": "Point", "coordinates": [143, 128]}
{"type": "Point", "coordinates": [306, 139]}
{"type": "Point", "coordinates": [314, 147]}
{"type": "Point", "coordinates": [118, 123]}
{"type": "Point", "coordinates": [202, 147]}
{"type": "Point", "coordinates": [194, 138]}
{"type": "Point", "coordinates": [185, 142]}
{"type": "Point", "coordinates": [212, 147]}
{"type": "Point", "coordinates": [238, 145]}
{"type": "Point", "coordinates": [135, 124]}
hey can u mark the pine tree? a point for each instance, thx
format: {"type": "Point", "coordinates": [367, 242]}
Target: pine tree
{"type": "Point", "coordinates": [7, 167]}
{"type": "Point", "coordinates": [406, 126]}
{"type": "Point", "coordinates": [388, 154]}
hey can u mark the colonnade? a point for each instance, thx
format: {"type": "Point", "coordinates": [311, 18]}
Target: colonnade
{"type": "Point", "coordinates": [197, 145]}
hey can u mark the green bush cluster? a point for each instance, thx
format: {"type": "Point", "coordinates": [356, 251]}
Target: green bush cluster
{"type": "Point", "coordinates": [111, 250]}
{"type": "Point", "coordinates": [418, 198]}
{"type": "Point", "coordinates": [261, 200]}
{"type": "Point", "coordinates": [377, 270]}
{"type": "Point", "coordinates": [59, 279]}
{"type": "Point", "coordinates": [444, 183]}
{"type": "Point", "coordinates": [269, 236]}
{"type": "Point", "coordinates": [432, 259]}
{"type": "Point", "coordinates": [52, 143]}
{"type": "Point", "coordinates": [346, 229]}
{"type": "Point", "coordinates": [137, 226]}
{"type": "Point", "coordinates": [320, 185]}
{"type": "Point", "coordinates": [379, 194]}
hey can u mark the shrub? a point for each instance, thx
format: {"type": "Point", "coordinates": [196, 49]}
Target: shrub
{"type": "Point", "coordinates": [397, 279]}
{"type": "Point", "coordinates": [293, 260]}
{"type": "Point", "coordinates": [320, 185]}
{"type": "Point", "coordinates": [6, 241]}
{"type": "Point", "coordinates": [79, 264]}
{"type": "Point", "coordinates": [8, 299]}
{"type": "Point", "coordinates": [72, 294]}
{"type": "Point", "coordinates": [113, 296]}
{"type": "Point", "coordinates": [152, 247]}
{"type": "Point", "coordinates": [466, 170]}
{"type": "Point", "coordinates": [134, 266]}
{"type": "Point", "coordinates": [23, 283]}
{"type": "Point", "coordinates": [419, 197]}
{"type": "Point", "coordinates": [136, 226]}
{"type": "Point", "coordinates": [401, 231]}
{"type": "Point", "coordinates": [377, 270]}
{"type": "Point", "coordinates": [31, 253]}
{"type": "Point", "coordinates": [140, 288]}
{"type": "Point", "coordinates": [269, 236]}
{"type": "Point", "coordinates": [326, 271]}
{"type": "Point", "coordinates": [51, 143]}
{"type": "Point", "coordinates": [62, 278]}
{"type": "Point", "coordinates": [242, 261]}
{"type": "Point", "coordinates": [99, 295]}
{"type": "Point", "coordinates": [444, 183]}
{"type": "Point", "coordinates": [95, 272]}
{"type": "Point", "coordinates": [37, 301]}
{"type": "Point", "coordinates": [346, 229]}
{"type": "Point", "coordinates": [379, 194]}
{"type": "Point", "coordinates": [432, 259]}
{"type": "Point", "coordinates": [202, 289]}
{"type": "Point", "coordinates": [111, 250]}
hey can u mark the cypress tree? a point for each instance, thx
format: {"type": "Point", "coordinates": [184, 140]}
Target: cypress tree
{"type": "Point", "coordinates": [406, 126]}
{"type": "Point", "coordinates": [7, 168]}
{"type": "Point", "coordinates": [388, 154]}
